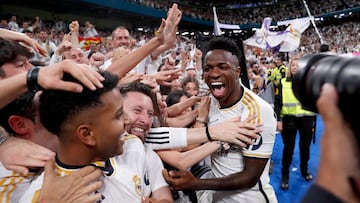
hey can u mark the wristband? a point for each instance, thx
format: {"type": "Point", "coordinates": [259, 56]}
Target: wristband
{"type": "Point", "coordinates": [32, 79]}
{"type": "Point", "coordinates": [208, 134]}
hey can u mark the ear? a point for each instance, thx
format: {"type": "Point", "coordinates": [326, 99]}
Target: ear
{"type": "Point", "coordinates": [86, 135]}
{"type": "Point", "coordinates": [21, 126]}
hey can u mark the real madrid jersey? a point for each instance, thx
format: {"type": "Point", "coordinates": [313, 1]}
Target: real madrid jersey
{"type": "Point", "coordinates": [13, 185]}
{"type": "Point", "coordinates": [125, 177]}
{"type": "Point", "coordinates": [230, 161]}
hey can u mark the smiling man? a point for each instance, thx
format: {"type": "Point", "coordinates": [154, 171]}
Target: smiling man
{"type": "Point", "coordinates": [140, 105]}
{"type": "Point", "coordinates": [241, 174]}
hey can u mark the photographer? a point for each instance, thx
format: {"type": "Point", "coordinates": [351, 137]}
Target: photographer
{"type": "Point", "coordinates": [338, 178]}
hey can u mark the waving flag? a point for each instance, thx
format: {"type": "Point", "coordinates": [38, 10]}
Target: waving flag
{"type": "Point", "coordinates": [264, 38]}
{"type": "Point", "coordinates": [217, 30]}
{"type": "Point", "coordinates": [293, 34]}
{"type": "Point", "coordinates": [284, 41]}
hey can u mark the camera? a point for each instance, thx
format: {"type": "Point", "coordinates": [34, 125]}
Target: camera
{"type": "Point", "coordinates": [343, 72]}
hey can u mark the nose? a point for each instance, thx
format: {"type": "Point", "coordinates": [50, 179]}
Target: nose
{"type": "Point", "coordinates": [215, 72]}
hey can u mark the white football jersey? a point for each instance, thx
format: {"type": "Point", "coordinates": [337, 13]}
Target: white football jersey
{"type": "Point", "coordinates": [229, 161]}
{"type": "Point", "coordinates": [13, 185]}
{"type": "Point", "coordinates": [125, 176]}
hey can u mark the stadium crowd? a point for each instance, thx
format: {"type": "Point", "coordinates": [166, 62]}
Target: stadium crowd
{"type": "Point", "coordinates": [254, 13]}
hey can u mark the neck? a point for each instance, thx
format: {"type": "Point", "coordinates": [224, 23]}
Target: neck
{"type": "Point", "coordinates": [75, 155]}
{"type": "Point", "coordinates": [234, 97]}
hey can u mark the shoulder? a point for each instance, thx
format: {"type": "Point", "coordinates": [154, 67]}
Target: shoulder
{"type": "Point", "coordinates": [132, 141]}
{"type": "Point", "coordinates": [257, 106]}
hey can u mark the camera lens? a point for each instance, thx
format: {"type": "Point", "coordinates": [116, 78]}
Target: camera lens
{"type": "Point", "coordinates": [343, 72]}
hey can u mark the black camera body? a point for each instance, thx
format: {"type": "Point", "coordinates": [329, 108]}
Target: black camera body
{"type": "Point", "coordinates": [343, 72]}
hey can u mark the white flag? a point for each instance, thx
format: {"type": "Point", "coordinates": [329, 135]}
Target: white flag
{"type": "Point", "coordinates": [264, 38]}
{"type": "Point", "coordinates": [288, 40]}
{"type": "Point", "coordinates": [293, 34]}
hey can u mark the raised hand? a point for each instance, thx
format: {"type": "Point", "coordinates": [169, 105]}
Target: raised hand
{"type": "Point", "coordinates": [50, 76]}
{"type": "Point", "coordinates": [74, 26]}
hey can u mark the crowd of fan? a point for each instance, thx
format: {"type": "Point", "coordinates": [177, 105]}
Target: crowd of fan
{"type": "Point", "coordinates": [342, 38]}
{"type": "Point", "coordinates": [255, 14]}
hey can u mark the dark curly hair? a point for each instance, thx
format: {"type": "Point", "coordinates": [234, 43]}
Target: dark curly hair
{"type": "Point", "coordinates": [224, 44]}
{"type": "Point", "coordinates": [57, 106]}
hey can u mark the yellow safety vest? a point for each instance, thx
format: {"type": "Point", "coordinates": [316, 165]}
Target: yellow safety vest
{"type": "Point", "coordinates": [291, 106]}
{"type": "Point", "coordinates": [277, 74]}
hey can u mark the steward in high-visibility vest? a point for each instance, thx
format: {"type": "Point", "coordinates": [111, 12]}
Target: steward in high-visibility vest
{"type": "Point", "coordinates": [290, 104]}
{"type": "Point", "coordinates": [291, 119]}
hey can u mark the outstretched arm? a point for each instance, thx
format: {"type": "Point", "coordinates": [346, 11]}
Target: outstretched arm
{"type": "Point", "coordinates": [164, 36]}
{"type": "Point", "coordinates": [232, 131]}
{"type": "Point", "coordinates": [21, 37]}
{"type": "Point", "coordinates": [183, 180]}
{"type": "Point", "coordinates": [184, 160]}
{"type": "Point", "coordinates": [49, 77]}
{"type": "Point", "coordinates": [172, 21]}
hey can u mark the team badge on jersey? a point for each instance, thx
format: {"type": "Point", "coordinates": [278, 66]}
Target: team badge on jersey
{"type": "Point", "coordinates": [137, 184]}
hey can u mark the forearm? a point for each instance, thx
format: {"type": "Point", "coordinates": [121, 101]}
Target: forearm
{"type": "Point", "coordinates": [182, 120]}
{"type": "Point", "coordinates": [123, 65]}
{"type": "Point", "coordinates": [238, 181]}
{"type": "Point", "coordinates": [12, 88]}
{"type": "Point", "coordinates": [11, 35]}
{"type": "Point", "coordinates": [74, 39]}
{"type": "Point", "coordinates": [184, 160]}
{"type": "Point", "coordinates": [178, 108]}
{"type": "Point", "coordinates": [198, 65]}
{"type": "Point", "coordinates": [159, 50]}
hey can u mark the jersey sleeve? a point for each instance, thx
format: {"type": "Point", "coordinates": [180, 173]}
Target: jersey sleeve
{"type": "Point", "coordinates": [263, 146]}
{"type": "Point", "coordinates": [166, 138]}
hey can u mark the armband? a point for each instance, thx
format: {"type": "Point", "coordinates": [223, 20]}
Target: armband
{"type": "Point", "coordinates": [32, 79]}
{"type": "Point", "coordinates": [208, 134]}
